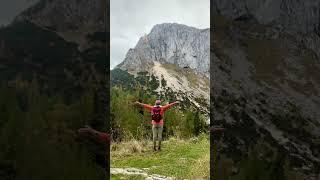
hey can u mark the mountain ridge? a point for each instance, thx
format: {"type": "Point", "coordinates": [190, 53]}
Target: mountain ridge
{"type": "Point", "coordinates": [173, 43]}
{"type": "Point", "coordinates": [177, 54]}
{"type": "Point", "coordinates": [66, 21]}
{"type": "Point", "coordinates": [266, 82]}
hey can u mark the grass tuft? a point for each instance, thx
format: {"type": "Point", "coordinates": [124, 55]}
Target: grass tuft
{"type": "Point", "coordinates": [129, 148]}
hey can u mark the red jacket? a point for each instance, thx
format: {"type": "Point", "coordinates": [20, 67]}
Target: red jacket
{"type": "Point", "coordinates": [162, 111]}
{"type": "Point", "coordinates": [104, 137]}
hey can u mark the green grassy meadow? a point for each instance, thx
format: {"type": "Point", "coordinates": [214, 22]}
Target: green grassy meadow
{"type": "Point", "coordinates": [178, 158]}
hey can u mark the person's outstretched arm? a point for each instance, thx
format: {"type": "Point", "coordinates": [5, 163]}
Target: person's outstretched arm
{"type": "Point", "coordinates": [170, 105]}
{"type": "Point", "coordinates": [217, 129]}
{"type": "Point", "coordinates": [96, 135]}
{"type": "Point", "coordinates": [146, 106]}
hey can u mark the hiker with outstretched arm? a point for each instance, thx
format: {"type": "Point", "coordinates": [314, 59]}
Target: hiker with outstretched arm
{"type": "Point", "coordinates": [97, 143]}
{"type": "Point", "coordinates": [157, 112]}
{"type": "Point", "coordinates": [98, 136]}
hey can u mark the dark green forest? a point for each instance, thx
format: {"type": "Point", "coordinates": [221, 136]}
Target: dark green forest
{"type": "Point", "coordinates": [38, 135]}
{"type": "Point", "coordinates": [49, 89]}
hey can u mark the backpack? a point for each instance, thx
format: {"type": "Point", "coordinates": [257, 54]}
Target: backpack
{"type": "Point", "coordinates": [155, 114]}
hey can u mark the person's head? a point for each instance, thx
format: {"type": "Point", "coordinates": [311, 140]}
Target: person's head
{"type": "Point", "coordinates": [158, 102]}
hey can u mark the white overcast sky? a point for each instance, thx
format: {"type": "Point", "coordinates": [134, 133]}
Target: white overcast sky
{"type": "Point", "coordinates": [131, 19]}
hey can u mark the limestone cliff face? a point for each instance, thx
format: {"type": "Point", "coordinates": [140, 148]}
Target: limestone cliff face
{"type": "Point", "coordinates": [184, 46]}
{"type": "Point", "coordinates": [294, 15]}
{"type": "Point", "coordinates": [301, 18]}
{"type": "Point", "coordinates": [178, 54]}
{"type": "Point", "coordinates": [73, 20]}
{"type": "Point", "coordinates": [264, 65]}
{"type": "Point", "coordinates": [61, 16]}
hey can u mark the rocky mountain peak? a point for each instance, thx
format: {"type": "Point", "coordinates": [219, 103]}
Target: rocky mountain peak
{"type": "Point", "coordinates": [61, 16]}
{"type": "Point", "coordinates": [73, 20]}
{"type": "Point", "coordinates": [293, 15]}
{"type": "Point", "coordinates": [300, 18]}
{"type": "Point", "coordinates": [184, 46]}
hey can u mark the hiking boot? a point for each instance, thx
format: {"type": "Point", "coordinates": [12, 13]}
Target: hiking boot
{"type": "Point", "coordinates": [159, 148]}
{"type": "Point", "coordinates": [154, 148]}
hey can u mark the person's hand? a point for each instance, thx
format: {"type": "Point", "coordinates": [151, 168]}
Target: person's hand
{"type": "Point", "coordinates": [217, 129]}
{"type": "Point", "coordinates": [136, 103]}
{"type": "Point", "coordinates": [87, 131]}
{"type": "Point", "coordinates": [84, 130]}
{"type": "Point", "coordinates": [177, 102]}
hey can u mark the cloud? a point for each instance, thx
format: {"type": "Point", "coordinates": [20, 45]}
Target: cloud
{"type": "Point", "coordinates": [129, 20]}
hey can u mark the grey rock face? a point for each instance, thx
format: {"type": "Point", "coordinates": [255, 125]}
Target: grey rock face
{"type": "Point", "coordinates": [264, 66]}
{"type": "Point", "coordinates": [294, 15]}
{"type": "Point", "coordinates": [60, 15]}
{"type": "Point", "coordinates": [73, 20]}
{"type": "Point", "coordinates": [171, 43]}
{"type": "Point", "coordinates": [301, 18]}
